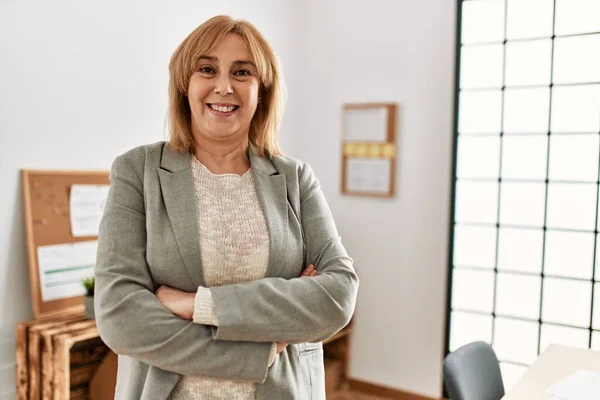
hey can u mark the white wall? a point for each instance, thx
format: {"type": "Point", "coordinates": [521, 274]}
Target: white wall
{"type": "Point", "coordinates": [402, 51]}
{"type": "Point", "coordinates": [82, 82]}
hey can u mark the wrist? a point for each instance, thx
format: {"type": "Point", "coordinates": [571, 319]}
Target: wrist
{"type": "Point", "coordinates": [190, 301]}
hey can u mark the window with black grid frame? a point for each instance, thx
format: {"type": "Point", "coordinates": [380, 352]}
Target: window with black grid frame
{"type": "Point", "coordinates": [525, 252]}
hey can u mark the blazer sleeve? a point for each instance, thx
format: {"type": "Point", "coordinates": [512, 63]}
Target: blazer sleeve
{"type": "Point", "coordinates": [296, 310]}
{"type": "Point", "coordinates": [130, 318]}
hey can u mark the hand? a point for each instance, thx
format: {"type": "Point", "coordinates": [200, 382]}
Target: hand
{"type": "Point", "coordinates": [281, 347]}
{"type": "Point", "coordinates": [177, 301]}
{"type": "Point", "coordinates": [308, 271]}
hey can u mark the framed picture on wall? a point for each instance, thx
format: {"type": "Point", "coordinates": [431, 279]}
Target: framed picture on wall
{"type": "Point", "coordinates": [369, 149]}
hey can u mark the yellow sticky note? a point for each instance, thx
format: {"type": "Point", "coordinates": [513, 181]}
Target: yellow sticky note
{"type": "Point", "coordinates": [374, 150]}
{"type": "Point", "coordinates": [389, 150]}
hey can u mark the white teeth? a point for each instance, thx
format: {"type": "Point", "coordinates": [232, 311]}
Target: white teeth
{"type": "Point", "coordinates": [222, 109]}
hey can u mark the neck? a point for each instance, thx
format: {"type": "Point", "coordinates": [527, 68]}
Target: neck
{"type": "Point", "coordinates": [223, 158]}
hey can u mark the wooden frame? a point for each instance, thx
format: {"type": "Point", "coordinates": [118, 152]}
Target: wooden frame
{"type": "Point", "coordinates": [47, 222]}
{"type": "Point", "coordinates": [384, 149]}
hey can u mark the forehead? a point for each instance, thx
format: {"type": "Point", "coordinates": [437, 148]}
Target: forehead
{"type": "Point", "coordinates": [231, 47]}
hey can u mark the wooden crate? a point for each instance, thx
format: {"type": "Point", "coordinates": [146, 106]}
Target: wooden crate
{"type": "Point", "coordinates": [27, 359]}
{"type": "Point", "coordinates": [47, 354]}
{"type": "Point", "coordinates": [63, 358]}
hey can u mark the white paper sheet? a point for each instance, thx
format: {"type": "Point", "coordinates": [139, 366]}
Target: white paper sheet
{"type": "Point", "coordinates": [86, 206]}
{"type": "Point", "coordinates": [63, 266]}
{"type": "Point", "coordinates": [365, 125]}
{"type": "Point", "coordinates": [581, 385]}
{"type": "Point", "coordinates": [369, 175]}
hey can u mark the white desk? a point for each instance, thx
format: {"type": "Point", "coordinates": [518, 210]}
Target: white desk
{"type": "Point", "coordinates": [553, 365]}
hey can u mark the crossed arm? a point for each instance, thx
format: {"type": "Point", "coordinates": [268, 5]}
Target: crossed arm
{"type": "Point", "coordinates": [186, 306]}
{"type": "Point", "coordinates": [133, 321]}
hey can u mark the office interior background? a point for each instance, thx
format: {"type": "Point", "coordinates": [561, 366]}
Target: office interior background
{"type": "Point", "coordinates": [493, 232]}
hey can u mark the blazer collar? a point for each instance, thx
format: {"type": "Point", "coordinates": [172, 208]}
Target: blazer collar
{"type": "Point", "coordinates": [177, 187]}
{"type": "Point", "coordinates": [176, 161]}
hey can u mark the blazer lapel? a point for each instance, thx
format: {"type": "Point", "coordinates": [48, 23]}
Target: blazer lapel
{"type": "Point", "coordinates": [177, 188]}
{"type": "Point", "coordinates": [271, 189]}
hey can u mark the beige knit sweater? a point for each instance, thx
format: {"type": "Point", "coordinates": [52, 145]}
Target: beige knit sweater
{"type": "Point", "coordinates": [234, 248]}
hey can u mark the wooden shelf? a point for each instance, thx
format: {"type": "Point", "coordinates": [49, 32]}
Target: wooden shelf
{"type": "Point", "coordinates": [344, 332]}
{"type": "Point", "coordinates": [336, 352]}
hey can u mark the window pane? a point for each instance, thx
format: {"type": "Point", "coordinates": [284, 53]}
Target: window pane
{"type": "Point", "coordinates": [577, 59]}
{"type": "Point", "coordinates": [529, 18]}
{"type": "Point", "coordinates": [481, 66]}
{"type": "Point", "coordinates": [476, 202]}
{"type": "Point", "coordinates": [479, 112]}
{"type": "Point", "coordinates": [466, 328]}
{"type": "Point", "coordinates": [526, 110]}
{"type": "Point", "coordinates": [482, 21]}
{"type": "Point", "coordinates": [474, 246]}
{"type": "Point", "coordinates": [575, 109]}
{"type": "Point", "coordinates": [522, 204]}
{"type": "Point", "coordinates": [473, 290]}
{"type": "Point", "coordinates": [516, 340]}
{"type": "Point", "coordinates": [520, 250]}
{"type": "Point", "coordinates": [567, 302]}
{"type": "Point", "coordinates": [528, 63]}
{"type": "Point", "coordinates": [577, 16]}
{"type": "Point", "coordinates": [596, 318]}
{"type": "Point", "coordinates": [511, 373]}
{"type": "Point", "coordinates": [478, 157]}
{"type": "Point", "coordinates": [571, 206]}
{"type": "Point", "coordinates": [524, 157]}
{"type": "Point", "coordinates": [552, 334]}
{"type": "Point", "coordinates": [569, 254]}
{"type": "Point", "coordinates": [518, 295]}
{"type": "Point", "coordinates": [574, 157]}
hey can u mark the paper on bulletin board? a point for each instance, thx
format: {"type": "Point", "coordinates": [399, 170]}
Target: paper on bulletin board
{"type": "Point", "coordinates": [365, 125]}
{"type": "Point", "coordinates": [63, 266]}
{"type": "Point", "coordinates": [369, 175]}
{"type": "Point", "coordinates": [86, 207]}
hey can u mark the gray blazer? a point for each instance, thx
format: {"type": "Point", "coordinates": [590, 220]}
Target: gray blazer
{"type": "Point", "coordinates": [149, 237]}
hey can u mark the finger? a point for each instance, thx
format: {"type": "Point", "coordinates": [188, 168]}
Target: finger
{"type": "Point", "coordinates": [306, 271]}
{"type": "Point", "coordinates": [313, 273]}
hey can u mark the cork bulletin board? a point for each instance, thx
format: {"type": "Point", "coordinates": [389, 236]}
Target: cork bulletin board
{"type": "Point", "coordinates": [369, 149]}
{"type": "Point", "coordinates": [46, 208]}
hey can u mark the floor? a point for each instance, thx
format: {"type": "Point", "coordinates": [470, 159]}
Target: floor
{"type": "Point", "coordinates": [355, 396]}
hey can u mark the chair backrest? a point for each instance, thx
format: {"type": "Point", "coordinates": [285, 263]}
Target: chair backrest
{"type": "Point", "coordinates": [472, 372]}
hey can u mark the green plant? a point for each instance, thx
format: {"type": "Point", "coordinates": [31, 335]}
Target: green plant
{"type": "Point", "coordinates": [88, 283]}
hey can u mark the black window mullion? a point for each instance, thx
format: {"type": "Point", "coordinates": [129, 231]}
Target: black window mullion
{"type": "Point", "coordinates": [547, 180]}
{"type": "Point", "coordinates": [499, 174]}
{"type": "Point", "coordinates": [596, 244]}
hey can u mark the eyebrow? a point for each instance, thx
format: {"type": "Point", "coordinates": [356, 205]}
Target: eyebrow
{"type": "Point", "coordinates": [237, 62]}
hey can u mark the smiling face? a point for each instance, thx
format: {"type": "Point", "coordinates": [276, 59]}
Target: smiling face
{"type": "Point", "coordinates": [223, 92]}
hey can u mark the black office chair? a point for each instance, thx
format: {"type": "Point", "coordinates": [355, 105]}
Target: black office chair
{"type": "Point", "coordinates": [472, 372]}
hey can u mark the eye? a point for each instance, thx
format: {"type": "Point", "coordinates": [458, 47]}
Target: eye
{"type": "Point", "coordinates": [207, 70]}
{"type": "Point", "coordinates": [242, 72]}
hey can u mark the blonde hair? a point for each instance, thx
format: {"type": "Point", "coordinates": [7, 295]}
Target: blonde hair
{"type": "Point", "coordinates": [184, 62]}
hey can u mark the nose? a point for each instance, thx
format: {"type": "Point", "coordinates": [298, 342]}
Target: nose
{"type": "Point", "coordinates": [223, 84]}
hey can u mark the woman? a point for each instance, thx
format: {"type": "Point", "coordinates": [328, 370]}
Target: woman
{"type": "Point", "coordinates": [200, 280]}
